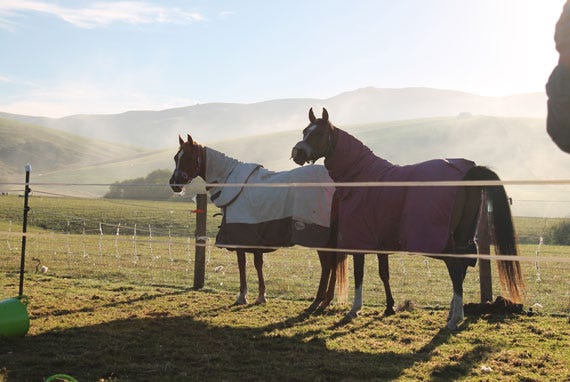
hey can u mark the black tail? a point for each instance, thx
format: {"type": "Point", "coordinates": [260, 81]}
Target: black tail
{"type": "Point", "coordinates": [503, 231]}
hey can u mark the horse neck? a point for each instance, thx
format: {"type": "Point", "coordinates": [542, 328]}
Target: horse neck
{"type": "Point", "coordinates": [202, 172]}
{"type": "Point", "coordinates": [217, 166]}
{"type": "Point", "coordinates": [352, 160]}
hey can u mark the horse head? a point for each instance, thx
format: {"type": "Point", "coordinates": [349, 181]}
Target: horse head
{"type": "Point", "coordinates": [188, 163]}
{"type": "Point", "coordinates": [318, 140]}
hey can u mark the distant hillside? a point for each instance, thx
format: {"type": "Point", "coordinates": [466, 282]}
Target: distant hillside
{"type": "Point", "coordinates": [49, 150]}
{"type": "Point", "coordinates": [222, 121]}
{"type": "Point", "coordinates": [517, 148]}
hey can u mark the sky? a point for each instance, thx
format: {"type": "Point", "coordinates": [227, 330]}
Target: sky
{"type": "Point", "coordinates": [67, 57]}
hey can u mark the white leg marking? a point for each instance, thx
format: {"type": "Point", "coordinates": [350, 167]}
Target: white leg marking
{"type": "Point", "coordinates": [357, 303]}
{"type": "Point", "coordinates": [456, 312]}
{"type": "Point", "coordinates": [357, 298]}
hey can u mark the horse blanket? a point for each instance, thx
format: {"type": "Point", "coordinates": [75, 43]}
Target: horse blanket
{"type": "Point", "coordinates": [269, 216]}
{"type": "Point", "coordinates": [414, 219]}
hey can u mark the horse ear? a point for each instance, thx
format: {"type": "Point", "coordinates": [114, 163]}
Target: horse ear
{"type": "Point", "coordinates": [312, 117]}
{"type": "Point", "coordinates": [190, 140]}
{"type": "Point", "coordinates": [325, 115]}
{"type": "Point", "coordinates": [180, 140]}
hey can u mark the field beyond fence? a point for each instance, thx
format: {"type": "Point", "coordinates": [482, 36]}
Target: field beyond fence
{"type": "Point", "coordinates": [153, 243]}
{"type": "Point", "coordinates": [116, 304]}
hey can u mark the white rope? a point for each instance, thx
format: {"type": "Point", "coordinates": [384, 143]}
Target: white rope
{"type": "Point", "coordinates": [521, 182]}
{"type": "Point", "coordinates": [402, 184]}
{"type": "Point", "coordinates": [375, 252]}
{"type": "Point", "coordinates": [207, 241]}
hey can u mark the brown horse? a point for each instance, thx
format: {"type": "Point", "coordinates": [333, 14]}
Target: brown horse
{"type": "Point", "coordinates": [193, 160]}
{"type": "Point", "coordinates": [438, 220]}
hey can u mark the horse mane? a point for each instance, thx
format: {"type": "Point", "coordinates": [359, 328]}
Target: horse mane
{"type": "Point", "coordinates": [217, 165]}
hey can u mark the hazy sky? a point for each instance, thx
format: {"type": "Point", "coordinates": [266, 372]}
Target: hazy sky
{"type": "Point", "coordinates": [72, 56]}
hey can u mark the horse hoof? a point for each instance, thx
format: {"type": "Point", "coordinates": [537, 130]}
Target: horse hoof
{"type": "Point", "coordinates": [389, 312]}
{"type": "Point", "coordinates": [313, 307]}
{"type": "Point", "coordinates": [351, 315]}
{"type": "Point", "coordinates": [452, 325]}
{"type": "Point", "coordinates": [324, 305]}
{"type": "Point", "coordinates": [240, 301]}
{"type": "Point", "coordinates": [321, 309]}
{"type": "Point", "coordinates": [260, 301]}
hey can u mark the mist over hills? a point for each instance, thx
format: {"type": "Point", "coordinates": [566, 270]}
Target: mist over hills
{"type": "Point", "coordinates": [404, 126]}
{"type": "Point", "coordinates": [221, 121]}
{"type": "Point", "coordinates": [516, 148]}
{"type": "Point", "coordinates": [50, 150]}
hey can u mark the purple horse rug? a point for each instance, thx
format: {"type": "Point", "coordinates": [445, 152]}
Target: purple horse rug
{"type": "Point", "coordinates": [269, 216]}
{"type": "Point", "coordinates": [414, 219]}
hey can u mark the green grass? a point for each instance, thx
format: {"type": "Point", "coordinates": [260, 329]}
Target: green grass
{"type": "Point", "coordinates": [73, 215]}
{"type": "Point", "coordinates": [121, 308]}
{"type": "Point", "coordinates": [97, 330]}
{"type": "Point", "coordinates": [153, 257]}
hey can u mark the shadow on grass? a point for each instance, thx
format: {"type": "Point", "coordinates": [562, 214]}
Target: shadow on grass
{"type": "Point", "coordinates": [166, 348]}
{"type": "Point", "coordinates": [116, 304]}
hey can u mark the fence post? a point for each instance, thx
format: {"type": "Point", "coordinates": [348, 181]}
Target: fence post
{"type": "Point", "coordinates": [484, 247]}
{"type": "Point", "coordinates": [24, 229]}
{"type": "Point", "coordinates": [200, 249]}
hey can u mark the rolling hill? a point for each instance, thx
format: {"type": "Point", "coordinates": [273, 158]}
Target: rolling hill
{"type": "Point", "coordinates": [517, 148]}
{"type": "Point", "coordinates": [222, 121]}
{"type": "Point", "coordinates": [50, 150]}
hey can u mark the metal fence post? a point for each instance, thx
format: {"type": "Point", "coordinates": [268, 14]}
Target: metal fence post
{"type": "Point", "coordinates": [24, 229]}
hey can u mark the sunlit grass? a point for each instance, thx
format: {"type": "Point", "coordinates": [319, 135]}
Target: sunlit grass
{"type": "Point", "coordinates": [71, 245]}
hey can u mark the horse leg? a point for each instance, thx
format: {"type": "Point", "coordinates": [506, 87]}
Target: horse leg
{"type": "Point", "coordinates": [463, 225]}
{"type": "Point", "coordinates": [384, 271]}
{"type": "Point", "coordinates": [258, 262]}
{"type": "Point", "coordinates": [325, 273]}
{"type": "Point", "coordinates": [242, 298]}
{"type": "Point", "coordinates": [332, 261]}
{"type": "Point", "coordinates": [358, 277]}
{"type": "Point", "coordinates": [457, 269]}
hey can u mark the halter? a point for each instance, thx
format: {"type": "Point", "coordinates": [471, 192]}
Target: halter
{"type": "Point", "coordinates": [330, 148]}
{"type": "Point", "coordinates": [187, 177]}
{"type": "Point", "coordinates": [330, 142]}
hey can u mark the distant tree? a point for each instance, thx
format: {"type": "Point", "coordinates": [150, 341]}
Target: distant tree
{"type": "Point", "coordinates": [152, 187]}
{"type": "Point", "coordinates": [560, 234]}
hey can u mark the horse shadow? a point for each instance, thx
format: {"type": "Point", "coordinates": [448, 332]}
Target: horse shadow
{"type": "Point", "coordinates": [163, 347]}
{"type": "Point", "coordinates": [460, 366]}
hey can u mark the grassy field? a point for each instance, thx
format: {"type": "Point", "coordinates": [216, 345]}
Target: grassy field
{"type": "Point", "coordinates": [120, 307]}
{"type": "Point", "coordinates": [97, 330]}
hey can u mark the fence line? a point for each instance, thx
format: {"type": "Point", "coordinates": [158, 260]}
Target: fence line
{"type": "Point", "coordinates": [208, 244]}
{"type": "Point", "coordinates": [520, 182]}
{"type": "Point", "coordinates": [128, 202]}
{"type": "Point", "coordinates": [203, 243]}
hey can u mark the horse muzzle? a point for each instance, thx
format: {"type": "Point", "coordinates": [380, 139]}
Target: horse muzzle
{"type": "Point", "coordinates": [300, 153]}
{"type": "Point", "coordinates": [176, 182]}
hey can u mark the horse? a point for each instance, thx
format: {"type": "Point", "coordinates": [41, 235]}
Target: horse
{"type": "Point", "coordinates": [433, 220]}
{"type": "Point", "coordinates": [265, 218]}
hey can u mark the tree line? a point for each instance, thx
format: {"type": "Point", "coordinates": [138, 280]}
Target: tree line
{"type": "Point", "coordinates": [154, 186]}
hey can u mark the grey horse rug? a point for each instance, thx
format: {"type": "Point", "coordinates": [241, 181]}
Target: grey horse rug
{"type": "Point", "coordinates": [414, 219]}
{"type": "Point", "coordinates": [269, 216]}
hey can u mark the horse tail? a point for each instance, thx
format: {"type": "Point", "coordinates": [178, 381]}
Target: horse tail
{"type": "Point", "coordinates": [503, 234]}
{"type": "Point", "coordinates": [342, 277]}
{"type": "Point", "coordinates": [341, 258]}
